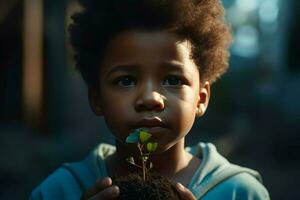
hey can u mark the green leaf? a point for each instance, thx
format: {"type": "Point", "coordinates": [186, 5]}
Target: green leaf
{"type": "Point", "coordinates": [130, 160]}
{"type": "Point", "coordinates": [133, 137]}
{"type": "Point", "coordinates": [144, 136]}
{"type": "Point", "coordinates": [151, 146]}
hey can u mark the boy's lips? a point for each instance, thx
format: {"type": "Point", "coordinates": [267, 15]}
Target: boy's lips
{"type": "Point", "coordinates": [153, 130]}
{"type": "Point", "coordinates": [151, 125]}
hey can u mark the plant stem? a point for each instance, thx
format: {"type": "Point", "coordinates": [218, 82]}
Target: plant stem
{"type": "Point", "coordinates": [144, 170]}
{"type": "Point", "coordinates": [137, 165]}
{"type": "Point", "coordinates": [140, 147]}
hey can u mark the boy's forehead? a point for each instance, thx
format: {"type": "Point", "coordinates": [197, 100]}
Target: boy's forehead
{"type": "Point", "coordinates": [145, 35]}
{"type": "Point", "coordinates": [137, 44]}
{"type": "Point", "coordinates": [143, 39]}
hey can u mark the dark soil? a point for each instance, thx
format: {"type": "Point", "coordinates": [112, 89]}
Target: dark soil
{"type": "Point", "coordinates": [133, 187]}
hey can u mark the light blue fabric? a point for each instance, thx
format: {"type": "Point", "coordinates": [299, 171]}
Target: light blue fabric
{"type": "Point", "coordinates": [215, 178]}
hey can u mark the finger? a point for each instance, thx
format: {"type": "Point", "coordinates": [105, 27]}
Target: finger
{"type": "Point", "coordinates": [107, 194]}
{"type": "Point", "coordinates": [98, 187]}
{"type": "Point", "coordinates": [184, 193]}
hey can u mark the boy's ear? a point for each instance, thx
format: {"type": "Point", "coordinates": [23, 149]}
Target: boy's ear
{"type": "Point", "coordinates": [204, 95]}
{"type": "Point", "coordinates": [94, 101]}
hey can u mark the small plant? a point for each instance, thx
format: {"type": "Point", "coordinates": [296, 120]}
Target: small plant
{"type": "Point", "coordinates": [141, 138]}
{"type": "Point", "coordinates": [151, 185]}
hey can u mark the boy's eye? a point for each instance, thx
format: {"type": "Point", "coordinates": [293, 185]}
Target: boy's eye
{"type": "Point", "coordinates": [125, 81]}
{"type": "Point", "coordinates": [173, 80]}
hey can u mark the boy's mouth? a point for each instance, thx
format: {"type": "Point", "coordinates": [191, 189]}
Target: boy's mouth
{"type": "Point", "coordinates": [151, 125]}
{"type": "Point", "coordinates": [153, 130]}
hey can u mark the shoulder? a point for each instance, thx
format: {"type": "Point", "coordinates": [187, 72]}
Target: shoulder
{"type": "Point", "coordinates": [59, 185]}
{"type": "Point", "coordinates": [71, 179]}
{"type": "Point", "coordinates": [217, 178]}
{"type": "Point", "coordinates": [242, 186]}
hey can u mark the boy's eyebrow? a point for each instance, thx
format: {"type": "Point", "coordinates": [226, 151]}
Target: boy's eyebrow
{"type": "Point", "coordinates": [173, 64]}
{"type": "Point", "coordinates": [123, 67]}
{"type": "Point", "coordinates": [130, 67]}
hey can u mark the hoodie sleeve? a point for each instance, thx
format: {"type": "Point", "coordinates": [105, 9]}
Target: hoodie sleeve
{"type": "Point", "coordinates": [69, 181]}
{"type": "Point", "coordinates": [60, 185]}
{"type": "Point", "coordinates": [242, 186]}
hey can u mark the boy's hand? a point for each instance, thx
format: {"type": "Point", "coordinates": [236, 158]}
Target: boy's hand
{"type": "Point", "coordinates": [102, 189]}
{"type": "Point", "coordinates": [184, 193]}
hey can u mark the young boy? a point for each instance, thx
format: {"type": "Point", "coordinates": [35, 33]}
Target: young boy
{"type": "Point", "coordinates": [149, 64]}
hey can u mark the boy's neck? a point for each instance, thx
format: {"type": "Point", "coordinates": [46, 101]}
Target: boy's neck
{"type": "Point", "coordinates": [168, 163]}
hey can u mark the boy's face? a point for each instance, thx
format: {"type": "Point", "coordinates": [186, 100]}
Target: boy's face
{"type": "Point", "coordinates": [148, 80]}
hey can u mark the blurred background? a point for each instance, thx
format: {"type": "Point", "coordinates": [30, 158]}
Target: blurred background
{"type": "Point", "coordinates": [45, 119]}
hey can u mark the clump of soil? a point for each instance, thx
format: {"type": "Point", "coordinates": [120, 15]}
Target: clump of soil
{"type": "Point", "coordinates": [155, 187]}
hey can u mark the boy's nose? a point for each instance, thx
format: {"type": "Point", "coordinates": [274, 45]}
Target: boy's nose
{"type": "Point", "coordinates": [150, 100]}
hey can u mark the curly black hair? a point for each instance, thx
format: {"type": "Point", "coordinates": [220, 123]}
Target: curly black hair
{"type": "Point", "coordinates": [199, 21]}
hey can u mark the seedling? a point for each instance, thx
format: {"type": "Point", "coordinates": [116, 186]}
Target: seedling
{"type": "Point", "coordinates": [141, 138]}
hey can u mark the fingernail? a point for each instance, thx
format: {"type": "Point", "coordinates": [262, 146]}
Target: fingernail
{"type": "Point", "coordinates": [114, 190]}
{"type": "Point", "coordinates": [180, 186]}
{"type": "Point", "coordinates": [106, 181]}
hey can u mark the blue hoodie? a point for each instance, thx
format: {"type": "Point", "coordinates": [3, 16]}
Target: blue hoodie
{"type": "Point", "coordinates": [214, 179]}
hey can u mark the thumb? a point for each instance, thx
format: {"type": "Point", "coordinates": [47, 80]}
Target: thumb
{"type": "Point", "coordinates": [184, 193]}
